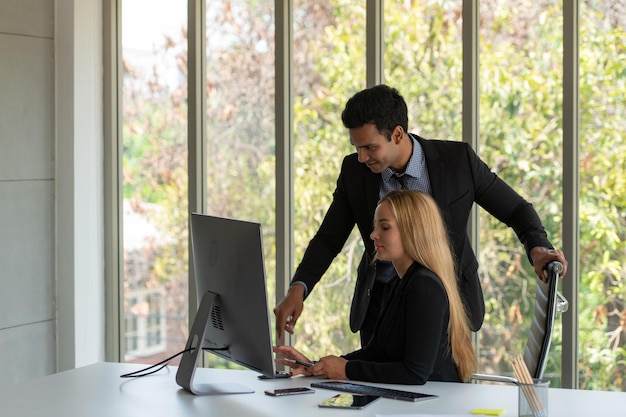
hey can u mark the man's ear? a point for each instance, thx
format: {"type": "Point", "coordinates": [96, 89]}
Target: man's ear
{"type": "Point", "coordinates": [397, 134]}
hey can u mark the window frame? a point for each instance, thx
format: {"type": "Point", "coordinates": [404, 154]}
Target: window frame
{"type": "Point", "coordinates": [284, 149]}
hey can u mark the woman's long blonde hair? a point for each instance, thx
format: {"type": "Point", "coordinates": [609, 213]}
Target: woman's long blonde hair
{"type": "Point", "coordinates": [425, 239]}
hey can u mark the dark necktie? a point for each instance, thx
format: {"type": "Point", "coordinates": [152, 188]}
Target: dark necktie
{"type": "Point", "coordinates": [403, 181]}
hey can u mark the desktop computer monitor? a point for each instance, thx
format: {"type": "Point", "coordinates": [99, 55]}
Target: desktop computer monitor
{"type": "Point", "coordinates": [233, 319]}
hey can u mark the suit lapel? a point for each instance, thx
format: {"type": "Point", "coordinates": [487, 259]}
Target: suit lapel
{"type": "Point", "coordinates": [372, 187]}
{"type": "Point", "coordinates": [436, 170]}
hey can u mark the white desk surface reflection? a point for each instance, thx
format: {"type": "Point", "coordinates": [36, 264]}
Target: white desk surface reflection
{"type": "Point", "coordinates": [97, 390]}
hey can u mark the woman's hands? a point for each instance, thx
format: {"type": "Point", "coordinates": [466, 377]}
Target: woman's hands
{"type": "Point", "coordinates": [332, 367]}
{"type": "Point", "coordinates": [291, 355]}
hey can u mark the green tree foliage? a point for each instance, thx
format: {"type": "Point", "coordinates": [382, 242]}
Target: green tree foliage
{"type": "Point", "coordinates": [602, 317]}
{"type": "Point", "coordinates": [330, 66]}
{"type": "Point", "coordinates": [154, 169]}
{"type": "Point", "coordinates": [521, 139]}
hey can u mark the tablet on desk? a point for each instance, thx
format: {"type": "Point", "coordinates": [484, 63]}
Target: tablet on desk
{"type": "Point", "coordinates": [353, 401]}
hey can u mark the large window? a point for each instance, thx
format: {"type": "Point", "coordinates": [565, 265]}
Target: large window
{"type": "Point", "coordinates": [239, 120]}
{"type": "Point", "coordinates": [154, 172]}
{"type": "Point", "coordinates": [520, 139]}
{"type": "Point", "coordinates": [329, 66]}
{"type": "Point", "coordinates": [602, 318]}
{"type": "Point", "coordinates": [520, 118]}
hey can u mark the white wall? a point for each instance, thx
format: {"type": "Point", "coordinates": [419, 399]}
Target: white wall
{"type": "Point", "coordinates": [51, 261]}
{"type": "Point", "coordinates": [27, 240]}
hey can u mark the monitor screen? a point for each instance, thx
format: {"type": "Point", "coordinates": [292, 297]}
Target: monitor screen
{"type": "Point", "coordinates": [233, 319]}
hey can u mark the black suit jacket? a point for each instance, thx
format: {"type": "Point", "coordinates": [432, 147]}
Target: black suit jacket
{"type": "Point", "coordinates": [410, 341]}
{"type": "Point", "coordinates": [458, 178]}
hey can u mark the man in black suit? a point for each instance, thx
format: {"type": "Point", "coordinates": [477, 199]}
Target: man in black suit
{"type": "Point", "coordinates": [388, 157]}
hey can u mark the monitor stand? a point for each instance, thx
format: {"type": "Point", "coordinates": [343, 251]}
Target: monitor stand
{"type": "Point", "coordinates": [193, 350]}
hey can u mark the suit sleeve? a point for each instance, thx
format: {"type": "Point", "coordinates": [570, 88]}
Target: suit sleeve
{"type": "Point", "coordinates": [506, 205]}
{"type": "Point", "coordinates": [330, 237]}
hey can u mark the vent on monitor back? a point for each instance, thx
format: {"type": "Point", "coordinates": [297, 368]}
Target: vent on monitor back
{"type": "Point", "coordinates": [216, 318]}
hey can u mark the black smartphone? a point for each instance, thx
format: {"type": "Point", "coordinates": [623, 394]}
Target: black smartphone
{"type": "Point", "coordinates": [277, 375]}
{"type": "Point", "coordinates": [289, 391]}
{"type": "Point", "coordinates": [353, 401]}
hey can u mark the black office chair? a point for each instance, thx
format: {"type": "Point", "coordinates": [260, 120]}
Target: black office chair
{"type": "Point", "coordinates": [548, 302]}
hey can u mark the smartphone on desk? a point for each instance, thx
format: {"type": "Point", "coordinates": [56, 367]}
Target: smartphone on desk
{"type": "Point", "coordinates": [289, 391]}
{"type": "Point", "coordinates": [277, 375]}
{"type": "Point", "coordinates": [353, 401]}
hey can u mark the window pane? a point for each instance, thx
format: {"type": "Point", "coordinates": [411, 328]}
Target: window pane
{"type": "Point", "coordinates": [602, 293]}
{"type": "Point", "coordinates": [240, 131]}
{"type": "Point", "coordinates": [154, 56]}
{"type": "Point", "coordinates": [521, 139]}
{"type": "Point", "coordinates": [423, 59]}
{"type": "Point", "coordinates": [329, 67]}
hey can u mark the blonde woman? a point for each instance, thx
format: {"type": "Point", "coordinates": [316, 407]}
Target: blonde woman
{"type": "Point", "coordinates": [423, 331]}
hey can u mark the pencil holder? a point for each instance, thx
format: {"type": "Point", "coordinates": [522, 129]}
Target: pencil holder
{"type": "Point", "coordinates": [533, 399]}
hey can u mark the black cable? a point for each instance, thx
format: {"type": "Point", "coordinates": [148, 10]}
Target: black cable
{"type": "Point", "coordinates": [163, 363]}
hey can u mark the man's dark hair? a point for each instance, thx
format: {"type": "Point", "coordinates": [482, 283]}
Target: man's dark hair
{"type": "Point", "coordinates": [381, 105]}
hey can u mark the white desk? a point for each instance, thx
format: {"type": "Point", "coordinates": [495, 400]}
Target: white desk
{"type": "Point", "coordinates": [97, 390]}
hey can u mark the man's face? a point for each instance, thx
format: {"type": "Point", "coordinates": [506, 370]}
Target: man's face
{"type": "Point", "coordinates": [374, 150]}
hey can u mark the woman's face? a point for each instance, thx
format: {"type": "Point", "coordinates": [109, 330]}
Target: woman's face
{"type": "Point", "coordinates": [386, 235]}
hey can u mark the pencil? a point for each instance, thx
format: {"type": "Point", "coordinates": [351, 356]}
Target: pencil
{"type": "Point", "coordinates": [521, 371]}
{"type": "Point", "coordinates": [528, 388]}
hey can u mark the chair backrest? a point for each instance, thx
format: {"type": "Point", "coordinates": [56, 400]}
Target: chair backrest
{"type": "Point", "coordinates": [548, 302]}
